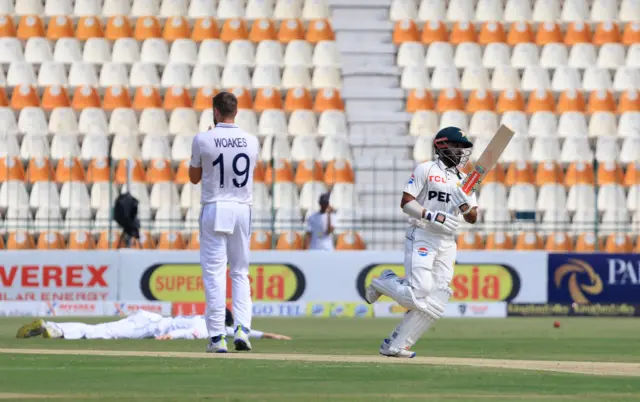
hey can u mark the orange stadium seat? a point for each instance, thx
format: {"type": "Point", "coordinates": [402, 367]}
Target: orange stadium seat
{"type": "Point", "coordinates": [3, 98]}
{"type": "Point", "coordinates": [245, 101]}
{"type": "Point", "coordinates": [298, 99]}
{"type": "Point", "coordinates": [205, 28]}
{"type": "Point", "coordinates": [618, 243]}
{"type": "Point", "coordinates": [434, 31]}
{"type": "Point", "coordinates": [405, 31]}
{"type": "Point", "coordinates": [495, 175]}
{"type": "Point", "coordinates": [587, 242]}
{"type": "Point", "coordinates": [558, 242]}
{"type": "Point", "coordinates": [234, 29]}
{"type": "Point", "coordinates": [182, 173]}
{"type": "Point", "coordinates": [194, 241]}
{"type": "Point", "coordinates": [118, 27]}
{"type": "Point", "coordinates": [283, 172]}
{"type": "Point", "coordinates": [84, 97]}
{"type": "Point", "coordinates": [470, 241]}
{"type": "Point", "coordinates": [115, 97]}
{"type": "Point", "coordinates": [520, 32]}
{"type": "Point", "coordinates": [159, 170]}
{"type": "Point", "coordinates": [146, 28]}
{"type": "Point", "coordinates": [203, 98]}
{"type": "Point", "coordinates": [261, 240]}
{"type": "Point", "coordinates": [51, 240]}
{"type": "Point", "coordinates": [7, 28]}
{"type": "Point", "coordinates": [55, 96]}
{"type": "Point", "coordinates": [328, 99]}
{"type": "Point", "coordinates": [145, 242]}
{"type": "Point", "coordinates": [11, 169]}
{"type": "Point", "coordinates": [266, 98]}
{"type": "Point", "coordinates": [137, 174]}
{"type": "Point", "coordinates": [308, 171]}
{"type": "Point", "coordinates": [350, 241]}
{"type": "Point", "coordinates": [420, 99]}
{"type": "Point", "coordinates": [631, 33]}
{"type": "Point", "coordinates": [290, 30]}
{"type": "Point", "coordinates": [571, 101]}
{"type": "Point", "coordinates": [69, 169]}
{"type": "Point", "coordinates": [510, 100]}
{"type": "Point", "coordinates": [81, 240]}
{"type": "Point", "coordinates": [338, 171]}
{"type": "Point", "coordinates": [480, 100]}
{"type": "Point", "coordinates": [176, 28]}
{"type": "Point", "coordinates": [528, 241]}
{"type": "Point", "coordinates": [263, 29]}
{"type": "Point", "coordinates": [450, 99]}
{"type": "Point", "coordinates": [606, 32]}
{"type": "Point", "coordinates": [499, 241]}
{"type": "Point", "coordinates": [629, 101]}
{"type": "Point", "coordinates": [632, 174]}
{"type": "Point", "coordinates": [290, 241]}
{"type": "Point", "coordinates": [492, 32]}
{"type": "Point", "coordinates": [176, 97]}
{"type": "Point", "coordinates": [60, 27]}
{"type": "Point", "coordinates": [579, 173]}
{"type": "Point", "coordinates": [541, 101]}
{"type": "Point", "coordinates": [549, 172]}
{"type": "Point", "coordinates": [519, 172]}
{"type": "Point", "coordinates": [30, 26]}
{"type": "Point", "coordinates": [2, 245]}
{"type": "Point", "coordinates": [98, 170]}
{"type": "Point", "coordinates": [636, 249]}
{"type": "Point", "coordinates": [20, 240]}
{"type": "Point", "coordinates": [259, 172]}
{"type": "Point", "coordinates": [146, 97]}
{"type": "Point", "coordinates": [461, 32]}
{"type": "Point", "coordinates": [89, 27]}
{"type": "Point", "coordinates": [610, 173]}
{"type": "Point", "coordinates": [319, 30]}
{"type": "Point", "coordinates": [170, 241]}
{"type": "Point", "coordinates": [108, 240]}
{"type": "Point", "coordinates": [39, 169]}
{"type": "Point", "coordinates": [548, 32]}
{"type": "Point", "coordinates": [577, 32]}
{"type": "Point", "coordinates": [24, 96]}
{"type": "Point", "coordinates": [601, 101]}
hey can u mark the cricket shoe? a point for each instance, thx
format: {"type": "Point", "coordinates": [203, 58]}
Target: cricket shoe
{"type": "Point", "coordinates": [387, 350]}
{"type": "Point", "coordinates": [217, 344]}
{"type": "Point", "coordinates": [36, 328]}
{"type": "Point", "coordinates": [241, 339]}
{"type": "Point", "coordinates": [51, 332]}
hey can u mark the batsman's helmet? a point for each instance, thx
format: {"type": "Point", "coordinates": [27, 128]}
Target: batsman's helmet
{"type": "Point", "coordinates": [452, 144]}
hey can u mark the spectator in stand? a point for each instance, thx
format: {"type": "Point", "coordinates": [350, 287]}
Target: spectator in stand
{"type": "Point", "coordinates": [319, 227]}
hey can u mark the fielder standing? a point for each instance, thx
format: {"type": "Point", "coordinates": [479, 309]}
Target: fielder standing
{"type": "Point", "coordinates": [433, 199]}
{"type": "Point", "coordinates": [224, 158]}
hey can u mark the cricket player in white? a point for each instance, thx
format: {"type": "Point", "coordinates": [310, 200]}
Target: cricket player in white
{"type": "Point", "coordinates": [140, 325]}
{"type": "Point", "coordinates": [433, 199]}
{"type": "Point", "coordinates": [224, 158]}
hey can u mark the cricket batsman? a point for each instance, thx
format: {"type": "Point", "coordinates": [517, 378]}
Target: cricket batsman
{"type": "Point", "coordinates": [434, 200]}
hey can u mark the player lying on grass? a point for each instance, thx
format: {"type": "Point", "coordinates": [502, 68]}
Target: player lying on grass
{"type": "Point", "coordinates": [433, 199]}
{"type": "Point", "coordinates": [140, 325]}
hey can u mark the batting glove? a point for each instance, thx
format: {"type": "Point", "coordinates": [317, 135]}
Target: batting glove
{"type": "Point", "coordinates": [461, 200]}
{"type": "Point", "coordinates": [443, 220]}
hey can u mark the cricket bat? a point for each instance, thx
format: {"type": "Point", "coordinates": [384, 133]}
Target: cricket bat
{"type": "Point", "coordinates": [488, 159]}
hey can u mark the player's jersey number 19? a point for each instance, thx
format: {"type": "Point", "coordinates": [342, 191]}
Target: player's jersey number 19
{"type": "Point", "coordinates": [239, 164]}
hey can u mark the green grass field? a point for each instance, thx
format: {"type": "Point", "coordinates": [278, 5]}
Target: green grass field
{"type": "Point", "coordinates": [197, 376]}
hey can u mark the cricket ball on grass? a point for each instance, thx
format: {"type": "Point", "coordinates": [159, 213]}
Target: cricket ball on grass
{"type": "Point", "coordinates": [556, 324]}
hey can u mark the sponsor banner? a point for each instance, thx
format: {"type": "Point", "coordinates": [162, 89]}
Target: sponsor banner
{"type": "Point", "coordinates": [74, 309]}
{"type": "Point", "coordinates": [594, 278]}
{"type": "Point", "coordinates": [58, 276]}
{"type": "Point", "coordinates": [320, 277]}
{"type": "Point", "coordinates": [574, 310]}
{"type": "Point", "coordinates": [22, 309]}
{"type": "Point", "coordinates": [284, 309]}
{"type": "Point", "coordinates": [452, 310]}
{"type": "Point", "coordinates": [188, 309]}
{"type": "Point", "coordinates": [127, 308]}
{"type": "Point", "coordinates": [337, 309]}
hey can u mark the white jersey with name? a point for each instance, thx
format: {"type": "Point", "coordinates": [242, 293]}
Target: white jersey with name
{"type": "Point", "coordinates": [227, 156]}
{"type": "Point", "coordinates": [432, 184]}
{"type": "Point", "coordinates": [317, 227]}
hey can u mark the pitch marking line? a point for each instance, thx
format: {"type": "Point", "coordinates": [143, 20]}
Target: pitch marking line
{"type": "Point", "coordinates": [592, 368]}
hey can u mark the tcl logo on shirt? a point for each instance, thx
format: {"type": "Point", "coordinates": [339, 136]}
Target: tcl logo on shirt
{"type": "Point", "coordinates": [43, 276]}
{"type": "Point", "coordinates": [437, 179]}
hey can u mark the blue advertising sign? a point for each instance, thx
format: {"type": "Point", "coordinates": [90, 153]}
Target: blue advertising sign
{"type": "Point", "coordinates": [594, 278]}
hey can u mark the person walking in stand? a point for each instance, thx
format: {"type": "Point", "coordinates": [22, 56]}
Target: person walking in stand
{"type": "Point", "coordinates": [433, 199]}
{"type": "Point", "coordinates": [224, 158]}
{"type": "Point", "coordinates": [319, 227]}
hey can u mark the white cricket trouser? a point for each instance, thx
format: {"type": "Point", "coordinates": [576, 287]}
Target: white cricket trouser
{"type": "Point", "coordinates": [225, 230]}
{"type": "Point", "coordinates": [428, 254]}
{"type": "Point", "coordinates": [140, 325]}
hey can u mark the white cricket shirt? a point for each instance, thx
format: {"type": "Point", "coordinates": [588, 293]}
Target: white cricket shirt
{"type": "Point", "coordinates": [227, 156]}
{"type": "Point", "coordinates": [432, 184]}
{"type": "Point", "coordinates": [317, 225]}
